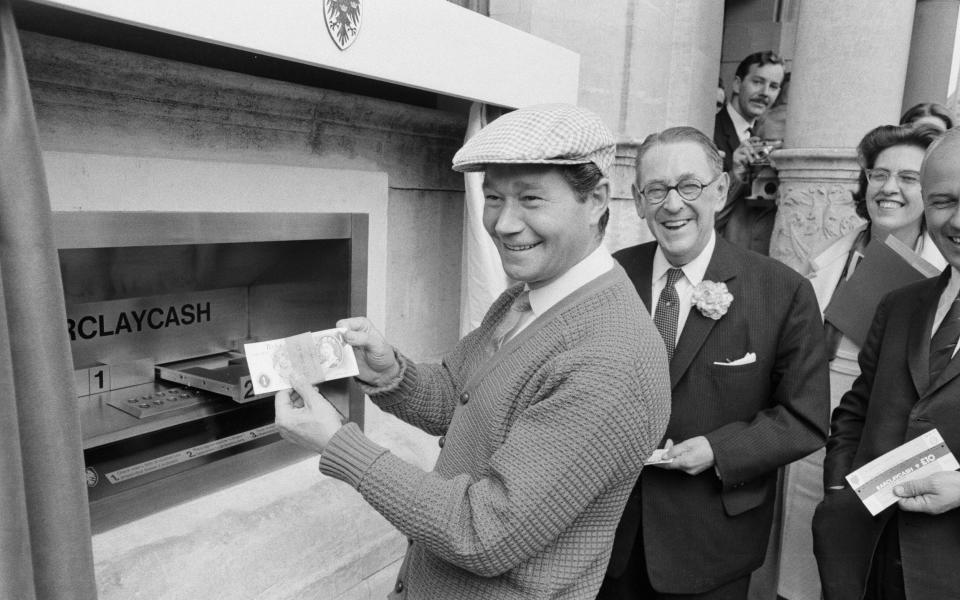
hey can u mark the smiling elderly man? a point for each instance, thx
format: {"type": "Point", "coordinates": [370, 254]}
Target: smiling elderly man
{"type": "Point", "coordinates": [748, 372]}
{"type": "Point", "coordinates": [547, 410]}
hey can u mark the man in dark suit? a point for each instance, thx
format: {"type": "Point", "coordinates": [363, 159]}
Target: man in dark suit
{"type": "Point", "coordinates": [749, 385]}
{"type": "Point", "coordinates": [756, 86]}
{"type": "Point", "coordinates": [909, 385]}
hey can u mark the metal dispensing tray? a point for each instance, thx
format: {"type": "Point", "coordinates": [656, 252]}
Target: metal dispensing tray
{"type": "Point", "coordinates": [224, 373]}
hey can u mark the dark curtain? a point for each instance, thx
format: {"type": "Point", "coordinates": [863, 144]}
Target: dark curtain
{"type": "Point", "coordinates": [45, 550]}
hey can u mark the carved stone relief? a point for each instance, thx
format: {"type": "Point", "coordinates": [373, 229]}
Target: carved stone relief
{"type": "Point", "coordinates": [815, 201]}
{"type": "Point", "coordinates": [809, 214]}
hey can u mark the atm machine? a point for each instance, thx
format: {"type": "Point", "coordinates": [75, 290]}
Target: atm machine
{"type": "Point", "coordinates": [158, 308]}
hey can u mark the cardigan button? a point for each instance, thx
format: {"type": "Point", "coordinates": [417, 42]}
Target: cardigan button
{"type": "Point", "coordinates": [442, 440]}
{"type": "Point", "coordinates": [399, 587]}
{"type": "Point", "coordinates": [464, 398]}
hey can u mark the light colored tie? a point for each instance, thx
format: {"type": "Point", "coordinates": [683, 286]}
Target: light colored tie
{"type": "Point", "coordinates": [519, 307]}
{"type": "Point", "coordinates": [668, 311]}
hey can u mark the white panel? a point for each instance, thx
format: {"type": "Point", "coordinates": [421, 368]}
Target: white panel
{"type": "Point", "coordinates": [427, 44]}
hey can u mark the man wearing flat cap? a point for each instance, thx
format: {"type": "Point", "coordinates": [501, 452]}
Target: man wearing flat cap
{"type": "Point", "coordinates": [546, 411]}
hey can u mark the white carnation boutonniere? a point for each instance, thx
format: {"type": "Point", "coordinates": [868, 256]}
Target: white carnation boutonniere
{"type": "Point", "coordinates": [712, 299]}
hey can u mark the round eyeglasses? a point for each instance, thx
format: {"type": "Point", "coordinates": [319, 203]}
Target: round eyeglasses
{"type": "Point", "coordinates": [904, 178]}
{"type": "Point", "coordinates": [688, 189]}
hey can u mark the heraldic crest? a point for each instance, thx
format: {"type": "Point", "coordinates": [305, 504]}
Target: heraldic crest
{"type": "Point", "coordinates": [343, 21]}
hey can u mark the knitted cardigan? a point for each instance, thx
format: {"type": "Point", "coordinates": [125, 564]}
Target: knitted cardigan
{"type": "Point", "coordinates": [543, 442]}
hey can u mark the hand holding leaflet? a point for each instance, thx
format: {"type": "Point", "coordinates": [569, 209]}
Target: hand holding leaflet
{"type": "Point", "coordinates": [875, 481]}
{"type": "Point", "coordinates": [934, 494]}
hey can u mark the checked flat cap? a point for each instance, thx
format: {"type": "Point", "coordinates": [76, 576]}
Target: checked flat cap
{"type": "Point", "coordinates": [549, 134]}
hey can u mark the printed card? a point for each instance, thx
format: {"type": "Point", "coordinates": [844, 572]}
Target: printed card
{"type": "Point", "coordinates": [918, 458]}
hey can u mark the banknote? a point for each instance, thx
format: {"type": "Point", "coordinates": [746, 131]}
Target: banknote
{"type": "Point", "coordinates": [312, 357]}
{"type": "Point", "coordinates": [659, 457]}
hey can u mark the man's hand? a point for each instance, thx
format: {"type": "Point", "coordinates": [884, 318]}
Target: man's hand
{"type": "Point", "coordinates": [375, 358]}
{"type": "Point", "coordinates": [750, 151]}
{"type": "Point", "coordinates": [305, 417]}
{"type": "Point", "coordinates": [934, 494]}
{"type": "Point", "coordinates": [693, 456]}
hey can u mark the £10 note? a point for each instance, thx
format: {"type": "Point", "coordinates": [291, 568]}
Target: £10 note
{"type": "Point", "coordinates": [312, 357]}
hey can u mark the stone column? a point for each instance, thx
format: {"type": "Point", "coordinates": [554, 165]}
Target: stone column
{"type": "Point", "coordinates": [933, 64]}
{"type": "Point", "coordinates": [848, 77]}
{"type": "Point", "coordinates": [644, 66]}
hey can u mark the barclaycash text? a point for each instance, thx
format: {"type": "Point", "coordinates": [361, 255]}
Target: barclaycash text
{"type": "Point", "coordinates": [91, 326]}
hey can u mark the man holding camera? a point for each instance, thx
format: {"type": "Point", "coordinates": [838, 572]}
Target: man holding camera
{"type": "Point", "coordinates": [743, 221]}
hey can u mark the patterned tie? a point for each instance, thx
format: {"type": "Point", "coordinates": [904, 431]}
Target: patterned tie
{"type": "Point", "coordinates": [668, 311]}
{"type": "Point", "coordinates": [944, 340]}
{"type": "Point", "coordinates": [519, 307]}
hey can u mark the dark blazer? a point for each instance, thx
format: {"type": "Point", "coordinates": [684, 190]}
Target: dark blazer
{"type": "Point", "coordinates": [891, 402]}
{"type": "Point", "coordinates": [700, 532]}
{"type": "Point", "coordinates": [725, 136]}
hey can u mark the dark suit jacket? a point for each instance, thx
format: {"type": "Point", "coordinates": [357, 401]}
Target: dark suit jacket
{"type": "Point", "coordinates": [891, 402]}
{"type": "Point", "coordinates": [742, 222]}
{"type": "Point", "coordinates": [699, 532]}
{"type": "Point", "coordinates": [725, 137]}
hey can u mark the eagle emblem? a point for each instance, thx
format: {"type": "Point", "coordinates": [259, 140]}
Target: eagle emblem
{"type": "Point", "coordinates": [343, 21]}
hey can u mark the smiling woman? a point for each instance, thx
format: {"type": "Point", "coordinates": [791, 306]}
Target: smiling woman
{"type": "Point", "coordinates": [888, 196]}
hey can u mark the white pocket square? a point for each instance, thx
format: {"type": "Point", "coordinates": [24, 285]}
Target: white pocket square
{"type": "Point", "coordinates": [746, 359]}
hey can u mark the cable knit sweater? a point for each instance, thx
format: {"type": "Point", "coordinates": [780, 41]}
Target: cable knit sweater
{"type": "Point", "coordinates": [542, 444]}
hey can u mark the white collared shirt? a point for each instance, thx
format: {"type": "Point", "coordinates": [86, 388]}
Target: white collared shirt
{"type": "Point", "coordinates": [693, 273]}
{"type": "Point", "coordinates": [741, 125]}
{"type": "Point", "coordinates": [946, 299]}
{"type": "Point", "coordinates": [543, 298]}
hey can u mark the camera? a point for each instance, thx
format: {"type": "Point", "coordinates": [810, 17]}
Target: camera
{"type": "Point", "coordinates": [764, 179]}
{"type": "Point", "coordinates": [764, 183]}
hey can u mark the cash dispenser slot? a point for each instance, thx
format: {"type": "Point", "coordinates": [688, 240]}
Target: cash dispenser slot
{"type": "Point", "coordinates": [159, 306]}
{"type": "Point", "coordinates": [223, 373]}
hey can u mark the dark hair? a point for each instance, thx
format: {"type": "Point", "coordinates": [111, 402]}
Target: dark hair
{"type": "Point", "coordinates": [928, 109]}
{"type": "Point", "coordinates": [682, 134]}
{"type": "Point", "coordinates": [767, 57]}
{"type": "Point", "coordinates": [583, 179]}
{"type": "Point", "coordinates": [879, 139]}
